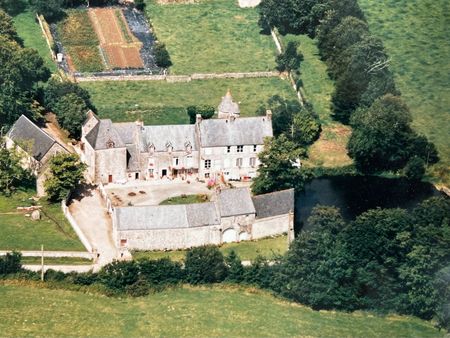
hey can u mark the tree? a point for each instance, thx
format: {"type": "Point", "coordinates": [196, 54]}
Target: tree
{"type": "Point", "coordinates": [290, 59]}
{"type": "Point", "coordinates": [66, 172]}
{"type": "Point", "coordinates": [52, 10]}
{"type": "Point", "coordinates": [71, 111]}
{"type": "Point", "coordinates": [13, 7]}
{"type": "Point", "coordinates": [11, 172]}
{"type": "Point", "coordinates": [139, 4]}
{"type": "Point", "coordinates": [283, 112]}
{"type": "Point", "coordinates": [55, 89]}
{"type": "Point", "coordinates": [415, 168]}
{"type": "Point", "coordinates": [10, 263]}
{"type": "Point", "coordinates": [119, 274]}
{"type": "Point", "coordinates": [7, 28]}
{"type": "Point", "coordinates": [205, 111]}
{"type": "Point", "coordinates": [235, 268]}
{"type": "Point", "coordinates": [162, 57]}
{"type": "Point", "coordinates": [204, 265]}
{"type": "Point", "coordinates": [279, 167]}
{"type": "Point", "coordinates": [382, 135]}
{"type": "Point", "coordinates": [305, 127]}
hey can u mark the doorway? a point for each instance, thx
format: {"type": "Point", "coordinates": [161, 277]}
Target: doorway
{"type": "Point", "coordinates": [164, 172]}
{"type": "Point", "coordinates": [109, 178]}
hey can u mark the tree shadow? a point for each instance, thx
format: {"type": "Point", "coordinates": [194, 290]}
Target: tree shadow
{"type": "Point", "coordinates": [82, 191]}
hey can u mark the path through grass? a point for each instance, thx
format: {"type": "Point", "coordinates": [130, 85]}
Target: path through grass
{"type": "Point", "coordinates": [19, 232]}
{"type": "Point", "coordinates": [214, 311]}
{"type": "Point", "coordinates": [158, 102]}
{"type": "Point", "coordinates": [212, 36]}
{"type": "Point", "coordinates": [416, 36]}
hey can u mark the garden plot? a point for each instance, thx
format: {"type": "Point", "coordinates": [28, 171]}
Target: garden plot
{"type": "Point", "coordinates": [106, 41]}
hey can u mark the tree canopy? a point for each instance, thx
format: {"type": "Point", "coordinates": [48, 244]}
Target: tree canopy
{"type": "Point", "coordinates": [12, 174]}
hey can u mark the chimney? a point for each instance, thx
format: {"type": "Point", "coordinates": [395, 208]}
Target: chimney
{"type": "Point", "coordinates": [198, 118]}
{"type": "Point", "coordinates": [269, 114]}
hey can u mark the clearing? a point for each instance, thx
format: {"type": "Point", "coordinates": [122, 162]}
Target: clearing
{"type": "Point", "coordinates": [160, 102]}
{"type": "Point", "coordinates": [415, 34]}
{"type": "Point", "coordinates": [246, 250]}
{"type": "Point", "coordinates": [187, 311]}
{"type": "Point", "coordinates": [21, 233]}
{"type": "Point", "coordinates": [212, 37]}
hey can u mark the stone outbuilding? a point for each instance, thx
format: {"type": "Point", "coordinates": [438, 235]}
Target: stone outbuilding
{"type": "Point", "coordinates": [228, 108]}
{"type": "Point", "coordinates": [232, 216]}
{"type": "Point", "coordinates": [36, 146]}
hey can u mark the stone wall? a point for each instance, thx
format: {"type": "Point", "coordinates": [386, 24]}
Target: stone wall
{"type": "Point", "coordinates": [111, 162]}
{"type": "Point", "coordinates": [271, 226]}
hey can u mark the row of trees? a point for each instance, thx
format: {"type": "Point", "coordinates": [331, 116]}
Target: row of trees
{"type": "Point", "coordinates": [365, 93]}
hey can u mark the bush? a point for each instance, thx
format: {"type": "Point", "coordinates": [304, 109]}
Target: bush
{"type": "Point", "coordinates": [161, 272]}
{"type": "Point", "coordinates": [205, 265]}
{"type": "Point", "coordinates": [139, 4]}
{"type": "Point", "coordinates": [10, 263]}
{"type": "Point", "coordinates": [53, 275]}
{"type": "Point", "coordinates": [259, 273]}
{"type": "Point", "coordinates": [205, 111]}
{"type": "Point", "coordinates": [118, 275]}
{"type": "Point", "coordinates": [415, 168]}
{"type": "Point", "coordinates": [162, 56]}
{"type": "Point", "coordinates": [138, 289]}
{"type": "Point", "coordinates": [86, 278]}
{"type": "Point", "coordinates": [235, 268]}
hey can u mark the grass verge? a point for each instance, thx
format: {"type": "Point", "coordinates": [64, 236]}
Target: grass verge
{"type": "Point", "coordinates": [185, 199]}
{"type": "Point", "coordinates": [247, 250]}
{"type": "Point", "coordinates": [158, 102]}
{"type": "Point", "coordinates": [415, 34]}
{"type": "Point", "coordinates": [56, 261]}
{"type": "Point", "coordinates": [212, 36]}
{"type": "Point", "coordinates": [31, 33]}
{"type": "Point", "coordinates": [187, 311]}
{"type": "Point", "coordinates": [19, 232]}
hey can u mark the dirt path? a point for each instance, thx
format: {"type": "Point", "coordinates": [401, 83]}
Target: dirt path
{"type": "Point", "coordinates": [89, 211]}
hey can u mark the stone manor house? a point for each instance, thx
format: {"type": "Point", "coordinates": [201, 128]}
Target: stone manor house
{"type": "Point", "coordinates": [226, 147]}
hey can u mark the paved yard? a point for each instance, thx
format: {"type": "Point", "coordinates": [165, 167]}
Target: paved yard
{"type": "Point", "coordinates": [152, 193]}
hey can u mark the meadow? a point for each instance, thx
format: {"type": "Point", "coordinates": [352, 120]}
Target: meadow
{"type": "Point", "coordinates": [415, 34]}
{"type": "Point", "coordinates": [19, 232]}
{"type": "Point", "coordinates": [246, 250]}
{"type": "Point", "coordinates": [31, 34]}
{"type": "Point", "coordinates": [186, 311]}
{"type": "Point", "coordinates": [212, 36]}
{"type": "Point", "coordinates": [158, 102]}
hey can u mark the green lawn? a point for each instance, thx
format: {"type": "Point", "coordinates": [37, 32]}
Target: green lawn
{"type": "Point", "coordinates": [21, 233]}
{"type": "Point", "coordinates": [214, 311]}
{"type": "Point", "coordinates": [247, 250]}
{"type": "Point", "coordinates": [57, 261]}
{"type": "Point", "coordinates": [416, 37]}
{"type": "Point", "coordinates": [31, 33]}
{"type": "Point", "coordinates": [185, 199]}
{"type": "Point", "coordinates": [212, 36]}
{"type": "Point", "coordinates": [159, 102]}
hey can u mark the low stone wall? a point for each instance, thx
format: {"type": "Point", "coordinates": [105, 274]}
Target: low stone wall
{"type": "Point", "coordinates": [75, 227]}
{"type": "Point", "coordinates": [271, 226]}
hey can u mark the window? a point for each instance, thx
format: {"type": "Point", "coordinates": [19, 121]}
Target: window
{"type": "Point", "coordinates": [207, 164]}
{"type": "Point", "coordinates": [252, 161]}
{"type": "Point", "coordinates": [240, 149]}
{"type": "Point", "coordinates": [228, 149]}
{"type": "Point", "coordinates": [254, 148]}
{"type": "Point", "coordinates": [207, 175]}
{"type": "Point", "coordinates": [150, 172]}
{"type": "Point", "coordinates": [239, 162]}
{"type": "Point", "coordinates": [176, 161]}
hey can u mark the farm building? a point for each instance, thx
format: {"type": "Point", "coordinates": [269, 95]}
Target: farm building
{"type": "Point", "coordinates": [36, 146]}
{"type": "Point", "coordinates": [233, 216]}
{"type": "Point", "coordinates": [226, 148]}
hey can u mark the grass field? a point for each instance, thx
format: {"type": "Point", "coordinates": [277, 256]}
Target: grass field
{"type": "Point", "coordinates": [31, 33]}
{"type": "Point", "coordinates": [57, 261]}
{"type": "Point", "coordinates": [416, 37]}
{"type": "Point", "coordinates": [214, 311]}
{"type": "Point", "coordinates": [330, 150]}
{"type": "Point", "coordinates": [185, 199]}
{"type": "Point", "coordinates": [21, 233]}
{"type": "Point", "coordinates": [212, 36]}
{"type": "Point", "coordinates": [158, 102]}
{"type": "Point", "coordinates": [247, 250]}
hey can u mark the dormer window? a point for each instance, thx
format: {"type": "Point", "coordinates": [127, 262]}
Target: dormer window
{"type": "Point", "coordinates": [151, 148]}
{"type": "Point", "coordinates": [188, 147]}
{"type": "Point", "coordinates": [109, 144]}
{"type": "Point", "coordinates": [169, 147]}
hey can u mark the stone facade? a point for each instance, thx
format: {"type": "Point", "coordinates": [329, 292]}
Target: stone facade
{"type": "Point", "coordinates": [234, 216]}
{"type": "Point", "coordinates": [215, 148]}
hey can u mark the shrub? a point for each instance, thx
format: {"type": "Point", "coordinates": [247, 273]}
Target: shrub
{"type": "Point", "coordinates": [162, 56]}
{"type": "Point", "coordinates": [138, 289]}
{"type": "Point", "coordinates": [160, 272]}
{"type": "Point", "coordinates": [259, 273]}
{"type": "Point", "coordinates": [53, 275]}
{"type": "Point", "coordinates": [205, 265]}
{"type": "Point", "coordinates": [118, 275]}
{"type": "Point", "coordinates": [86, 278]}
{"type": "Point", "coordinates": [235, 268]}
{"type": "Point", "coordinates": [10, 263]}
{"type": "Point", "coordinates": [415, 168]}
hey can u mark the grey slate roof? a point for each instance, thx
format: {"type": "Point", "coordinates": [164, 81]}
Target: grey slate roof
{"type": "Point", "coordinates": [274, 204]}
{"type": "Point", "coordinates": [228, 106]}
{"type": "Point", "coordinates": [160, 136]}
{"type": "Point", "coordinates": [166, 216]}
{"type": "Point", "coordinates": [102, 133]}
{"type": "Point", "coordinates": [127, 131]}
{"type": "Point", "coordinates": [240, 131]}
{"type": "Point", "coordinates": [234, 202]}
{"type": "Point", "coordinates": [25, 131]}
